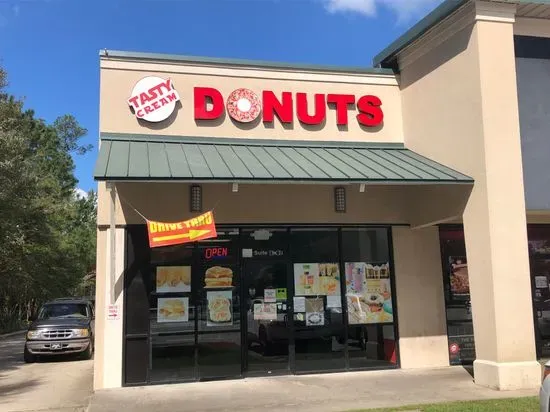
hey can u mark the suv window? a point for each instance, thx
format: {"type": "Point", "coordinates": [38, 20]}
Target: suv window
{"type": "Point", "coordinates": [64, 310]}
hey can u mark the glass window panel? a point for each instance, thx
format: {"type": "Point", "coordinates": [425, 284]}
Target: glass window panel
{"type": "Point", "coordinates": [369, 297]}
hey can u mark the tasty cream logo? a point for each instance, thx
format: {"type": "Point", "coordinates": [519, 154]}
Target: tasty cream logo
{"type": "Point", "coordinates": [153, 99]}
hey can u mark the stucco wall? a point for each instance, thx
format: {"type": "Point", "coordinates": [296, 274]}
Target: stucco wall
{"type": "Point", "coordinates": [420, 303]}
{"type": "Point", "coordinates": [460, 108]}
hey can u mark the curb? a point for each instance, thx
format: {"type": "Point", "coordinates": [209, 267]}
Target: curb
{"type": "Point", "coordinates": [7, 335]}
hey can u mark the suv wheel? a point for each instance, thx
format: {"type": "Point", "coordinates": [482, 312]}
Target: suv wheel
{"type": "Point", "coordinates": [28, 357]}
{"type": "Point", "coordinates": [87, 354]}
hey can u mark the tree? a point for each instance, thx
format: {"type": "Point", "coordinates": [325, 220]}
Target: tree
{"type": "Point", "coordinates": [47, 234]}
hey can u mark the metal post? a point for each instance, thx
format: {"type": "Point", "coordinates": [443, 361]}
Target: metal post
{"type": "Point", "coordinates": [112, 229]}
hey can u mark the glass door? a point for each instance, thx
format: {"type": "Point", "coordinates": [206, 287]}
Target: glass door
{"type": "Point", "coordinates": [267, 317]}
{"type": "Point", "coordinates": [266, 301]}
{"type": "Point", "coordinates": [219, 308]}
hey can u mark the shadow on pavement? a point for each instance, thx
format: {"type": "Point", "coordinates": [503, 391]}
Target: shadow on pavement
{"type": "Point", "coordinates": [16, 388]}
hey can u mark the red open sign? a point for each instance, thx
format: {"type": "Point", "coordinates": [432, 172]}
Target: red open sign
{"type": "Point", "coordinates": [214, 252]}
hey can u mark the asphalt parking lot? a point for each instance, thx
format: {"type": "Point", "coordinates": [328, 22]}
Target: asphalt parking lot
{"type": "Point", "coordinates": [60, 384]}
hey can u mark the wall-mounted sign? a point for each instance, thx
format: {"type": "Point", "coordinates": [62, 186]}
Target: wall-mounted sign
{"type": "Point", "coordinates": [165, 234]}
{"type": "Point", "coordinates": [113, 312]}
{"type": "Point", "coordinates": [153, 99]}
{"type": "Point", "coordinates": [244, 105]}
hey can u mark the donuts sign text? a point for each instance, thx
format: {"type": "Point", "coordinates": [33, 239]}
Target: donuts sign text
{"type": "Point", "coordinates": [243, 105]}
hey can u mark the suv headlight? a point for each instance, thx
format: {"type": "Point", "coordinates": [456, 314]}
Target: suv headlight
{"type": "Point", "coordinates": [33, 334]}
{"type": "Point", "coordinates": [81, 333]}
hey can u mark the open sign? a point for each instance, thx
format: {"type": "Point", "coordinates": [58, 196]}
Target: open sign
{"type": "Point", "coordinates": [215, 252]}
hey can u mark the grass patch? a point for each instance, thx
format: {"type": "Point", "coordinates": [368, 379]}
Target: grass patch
{"type": "Point", "coordinates": [530, 404]}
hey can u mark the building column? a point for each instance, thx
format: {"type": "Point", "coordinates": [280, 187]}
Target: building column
{"type": "Point", "coordinates": [494, 219]}
{"type": "Point", "coordinates": [420, 303]}
{"type": "Point", "coordinates": [111, 248]}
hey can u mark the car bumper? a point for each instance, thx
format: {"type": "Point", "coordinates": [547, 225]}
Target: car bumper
{"type": "Point", "coordinates": [544, 396]}
{"type": "Point", "coordinates": [53, 347]}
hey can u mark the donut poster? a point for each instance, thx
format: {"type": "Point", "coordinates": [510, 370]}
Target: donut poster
{"type": "Point", "coordinates": [368, 293]}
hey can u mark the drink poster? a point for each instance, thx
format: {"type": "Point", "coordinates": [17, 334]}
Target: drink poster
{"type": "Point", "coordinates": [315, 279]}
{"type": "Point", "coordinates": [369, 294]}
{"type": "Point", "coordinates": [458, 278]}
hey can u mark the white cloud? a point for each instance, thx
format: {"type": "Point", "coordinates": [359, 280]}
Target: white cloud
{"type": "Point", "coordinates": [80, 193]}
{"type": "Point", "coordinates": [405, 9]}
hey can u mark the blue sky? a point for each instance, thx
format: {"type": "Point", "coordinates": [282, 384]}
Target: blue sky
{"type": "Point", "coordinates": [50, 47]}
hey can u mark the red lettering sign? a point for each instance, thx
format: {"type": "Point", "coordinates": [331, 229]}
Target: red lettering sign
{"type": "Point", "coordinates": [309, 109]}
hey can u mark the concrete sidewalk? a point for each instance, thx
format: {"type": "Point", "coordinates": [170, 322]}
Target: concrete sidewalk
{"type": "Point", "coordinates": [316, 393]}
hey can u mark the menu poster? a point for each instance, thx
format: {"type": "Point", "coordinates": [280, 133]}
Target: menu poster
{"type": "Point", "coordinates": [270, 295]}
{"type": "Point", "coordinates": [173, 310]}
{"type": "Point", "coordinates": [219, 308]}
{"type": "Point", "coordinates": [173, 279]}
{"type": "Point", "coordinates": [315, 312]}
{"type": "Point", "coordinates": [369, 294]}
{"type": "Point", "coordinates": [334, 302]}
{"type": "Point", "coordinates": [312, 279]}
{"type": "Point", "coordinates": [299, 304]}
{"type": "Point", "coordinates": [459, 282]}
{"type": "Point", "coordinates": [265, 311]}
{"type": "Point", "coordinates": [541, 282]}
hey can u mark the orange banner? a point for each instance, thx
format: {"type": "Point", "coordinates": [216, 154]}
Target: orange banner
{"type": "Point", "coordinates": [192, 230]}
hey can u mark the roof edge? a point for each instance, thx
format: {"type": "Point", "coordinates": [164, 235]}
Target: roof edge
{"type": "Point", "coordinates": [444, 10]}
{"type": "Point", "coordinates": [245, 141]}
{"type": "Point", "coordinates": [141, 56]}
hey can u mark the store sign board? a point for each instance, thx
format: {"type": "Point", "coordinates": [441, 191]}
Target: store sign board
{"type": "Point", "coordinates": [153, 99]}
{"type": "Point", "coordinates": [192, 230]}
{"type": "Point", "coordinates": [244, 105]}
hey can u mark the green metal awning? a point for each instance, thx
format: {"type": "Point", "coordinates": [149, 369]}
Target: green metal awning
{"type": "Point", "coordinates": [243, 160]}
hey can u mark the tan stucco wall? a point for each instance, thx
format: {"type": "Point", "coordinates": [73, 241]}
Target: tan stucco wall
{"type": "Point", "coordinates": [467, 79]}
{"type": "Point", "coordinates": [420, 304]}
{"type": "Point", "coordinates": [118, 79]}
{"type": "Point", "coordinates": [281, 204]}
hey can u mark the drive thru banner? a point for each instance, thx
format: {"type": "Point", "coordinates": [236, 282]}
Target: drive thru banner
{"type": "Point", "coordinates": [197, 228]}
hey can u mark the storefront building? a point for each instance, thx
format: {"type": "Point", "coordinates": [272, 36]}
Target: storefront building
{"type": "Point", "coordinates": [340, 196]}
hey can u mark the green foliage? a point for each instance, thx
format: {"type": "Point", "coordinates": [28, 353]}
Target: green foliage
{"type": "Point", "coordinates": [47, 234]}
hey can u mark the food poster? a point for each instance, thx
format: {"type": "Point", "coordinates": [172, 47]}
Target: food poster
{"type": "Point", "coordinates": [459, 284]}
{"type": "Point", "coordinates": [173, 310]}
{"type": "Point", "coordinates": [173, 279]}
{"type": "Point", "coordinates": [315, 312]}
{"type": "Point", "coordinates": [216, 277]}
{"type": "Point", "coordinates": [313, 279]}
{"type": "Point", "coordinates": [369, 294]}
{"type": "Point", "coordinates": [265, 311]}
{"type": "Point", "coordinates": [220, 308]}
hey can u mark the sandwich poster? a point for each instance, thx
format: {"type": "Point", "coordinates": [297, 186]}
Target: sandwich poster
{"type": "Point", "coordinates": [218, 277]}
{"type": "Point", "coordinates": [173, 310]}
{"type": "Point", "coordinates": [219, 308]}
{"type": "Point", "coordinates": [166, 234]}
{"type": "Point", "coordinates": [173, 279]}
